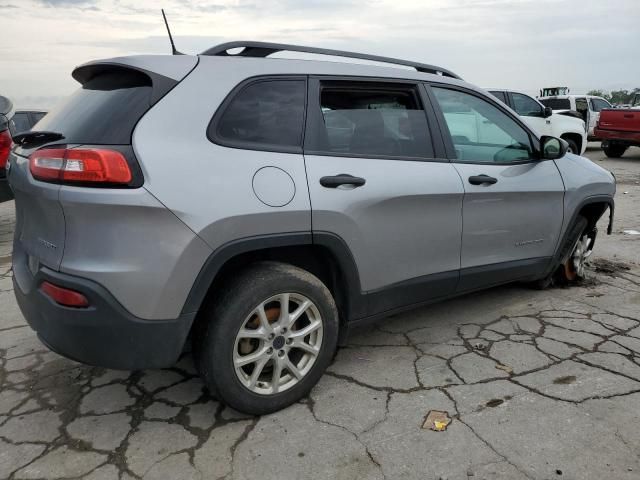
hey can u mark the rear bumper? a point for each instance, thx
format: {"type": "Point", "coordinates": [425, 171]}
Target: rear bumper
{"type": "Point", "coordinates": [629, 138]}
{"type": "Point", "coordinates": [104, 334]}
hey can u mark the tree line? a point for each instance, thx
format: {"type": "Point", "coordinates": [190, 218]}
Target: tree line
{"type": "Point", "coordinates": [616, 97]}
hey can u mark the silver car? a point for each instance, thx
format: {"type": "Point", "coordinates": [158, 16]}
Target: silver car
{"type": "Point", "coordinates": [263, 207]}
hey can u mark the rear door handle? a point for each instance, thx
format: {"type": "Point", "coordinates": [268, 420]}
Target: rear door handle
{"type": "Point", "coordinates": [335, 181]}
{"type": "Point", "coordinates": [482, 179]}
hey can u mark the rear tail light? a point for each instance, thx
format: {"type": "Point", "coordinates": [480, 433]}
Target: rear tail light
{"type": "Point", "coordinates": [80, 165]}
{"type": "Point", "coordinates": [64, 296]}
{"type": "Point", "coordinates": [5, 147]}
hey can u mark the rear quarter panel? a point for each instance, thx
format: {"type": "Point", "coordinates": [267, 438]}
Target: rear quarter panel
{"type": "Point", "coordinates": [128, 242]}
{"type": "Point", "coordinates": [208, 186]}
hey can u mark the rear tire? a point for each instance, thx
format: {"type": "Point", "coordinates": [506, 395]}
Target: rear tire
{"type": "Point", "coordinates": [250, 350]}
{"type": "Point", "coordinates": [614, 151]}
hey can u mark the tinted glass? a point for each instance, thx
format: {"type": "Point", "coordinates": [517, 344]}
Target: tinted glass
{"type": "Point", "coordinates": [557, 103]}
{"type": "Point", "coordinates": [360, 120]}
{"type": "Point", "coordinates": [103, 111]}
{"type": "Point", "coordinates": [499, 95]}
{"type": "Point", "coordinates": [599, 104]}
{"type": "Point", "coordinates": [526, 106]}
{"type": "Point", "coordinates": [21, 122]}
{"type": "Point", "coordinates": [480, 131]}
{"type": "Point", "coordinates": [266, 113]}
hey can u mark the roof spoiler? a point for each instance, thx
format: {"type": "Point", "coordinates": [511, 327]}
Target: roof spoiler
{"type": "Point", "coordinates": [264, 49]}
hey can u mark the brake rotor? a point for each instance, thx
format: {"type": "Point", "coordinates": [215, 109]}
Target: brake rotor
{"type": "Point", "coordinates": [246, 346]}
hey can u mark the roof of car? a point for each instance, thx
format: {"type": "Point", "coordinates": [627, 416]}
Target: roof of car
{"type": "Point", "coordinates": [256, 62]}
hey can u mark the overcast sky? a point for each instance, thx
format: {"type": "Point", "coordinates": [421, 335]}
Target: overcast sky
{"type": "Point", "coordinates": [518, 44]}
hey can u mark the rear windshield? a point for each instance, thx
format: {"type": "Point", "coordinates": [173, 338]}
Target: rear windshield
{"type": "Point", "coordinates": [104, 110]}
{"type": "Point", "coordinates": [557, 103]}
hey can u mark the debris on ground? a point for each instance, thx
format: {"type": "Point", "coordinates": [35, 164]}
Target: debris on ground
{"type": "Point", "coordinates": [504, 368]}
{"type": "Point", "coordinates": [631, 232]}
{"type": "Point", "coordinates": [609, 267]}
{"type": "Point", "coordinates": [437, 421]}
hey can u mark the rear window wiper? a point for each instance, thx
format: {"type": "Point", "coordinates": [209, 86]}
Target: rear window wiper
{"type": "Point", "coordinates": [35, 139]}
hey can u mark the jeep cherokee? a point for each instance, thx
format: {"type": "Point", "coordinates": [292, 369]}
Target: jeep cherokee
{"type": "Point", "coordinates": [263, 206]}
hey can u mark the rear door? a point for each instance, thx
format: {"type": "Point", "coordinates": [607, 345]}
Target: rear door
{"type": "Point", "coordinates": [513, 203]}
{"type": "Point", "coordinates": [379, 183]}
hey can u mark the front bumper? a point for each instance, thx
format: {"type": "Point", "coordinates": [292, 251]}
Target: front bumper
{"type": "Point", "coordinates": [104, 334]}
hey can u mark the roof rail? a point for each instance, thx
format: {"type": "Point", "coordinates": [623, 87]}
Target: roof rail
{"type": "Point", "coordinates": [264, 49]}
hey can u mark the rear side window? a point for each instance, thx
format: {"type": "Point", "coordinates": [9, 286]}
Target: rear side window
{"type": "Point", "coordinates": [556, 103]}
{"type": "Point", "coordinates": [266, 114]}
{"type": "Point", "coordinates": [365, 120]}
{"type": "Point", "coordinates": [104, 110]}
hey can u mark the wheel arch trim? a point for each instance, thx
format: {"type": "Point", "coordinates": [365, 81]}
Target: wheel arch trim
{"type": "Point", "coordinates": [591, 200]}
{"type": "Point", "coordinates": [335, 245]}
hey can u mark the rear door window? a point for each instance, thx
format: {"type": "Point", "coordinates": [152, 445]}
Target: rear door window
{"type": "Point", "coordinates": [374, 120]}
{"type": "Point", "coordinates": [104, 110]}
{"type": "Point", "coordinates": [266, 114]}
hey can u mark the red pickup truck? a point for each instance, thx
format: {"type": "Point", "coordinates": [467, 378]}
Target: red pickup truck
{"type": "Point", "coordinates": [619, 129]}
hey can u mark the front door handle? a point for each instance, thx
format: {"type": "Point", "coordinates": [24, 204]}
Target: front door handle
{"type": "Point", "coordinates": [335, 181]}
{"type": "Point", "coordinates": [482, 179]}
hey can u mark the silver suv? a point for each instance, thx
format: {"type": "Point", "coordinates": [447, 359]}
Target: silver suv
{"type": "Point", "coordinates": [262, 207]}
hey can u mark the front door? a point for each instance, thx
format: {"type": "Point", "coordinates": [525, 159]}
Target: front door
{"type": "Point", "coordinates": [513, 203]}
{"type": "Point", "coordinates": [376, 182]}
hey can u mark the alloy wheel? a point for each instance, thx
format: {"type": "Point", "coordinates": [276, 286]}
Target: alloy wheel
{"type": "Point", "coordinates": [278, 343]}
{"type": "Point", "coordinates": [575, 266]}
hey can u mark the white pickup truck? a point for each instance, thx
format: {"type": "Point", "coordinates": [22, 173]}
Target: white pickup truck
{"type": "Point", "coordinates": [588, 106]}
{"type": "Point", "coordinates": [543, 120]}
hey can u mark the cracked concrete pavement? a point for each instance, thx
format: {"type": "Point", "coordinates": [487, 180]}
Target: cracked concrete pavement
{"type": "Point", "coordinates": [539, 385]}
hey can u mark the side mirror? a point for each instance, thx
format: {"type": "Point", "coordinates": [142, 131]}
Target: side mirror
{"type": "Point", "coordinates": [547, 112]}
{"type": "Point", "coordinates": [553, 147]}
